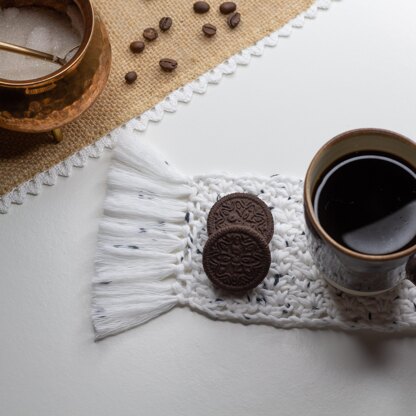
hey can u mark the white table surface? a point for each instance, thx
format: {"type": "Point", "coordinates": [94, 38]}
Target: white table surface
{"type": "Point", "coordinates": [355, 66]}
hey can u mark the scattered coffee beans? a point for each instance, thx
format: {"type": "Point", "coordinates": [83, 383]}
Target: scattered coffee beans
{"type": "Point", "coordinates": [150, 34]}
{"type": "Point", "coordinates": [228, 7]}
{"type": "Point", "coordinates": [201, 7]}
{"type": "Point", "coordinates": [168, 65]}
{"type": "Point", "coordinates": [165, 23]}
{"type": "Point", "coordinates": [209, 30]}
{"type": "Point", "coordinates": [137, 46]}
{"type": "Point", "coordinates": [233, 20]}
{"type": "Point", "coordinates": [130, 77]}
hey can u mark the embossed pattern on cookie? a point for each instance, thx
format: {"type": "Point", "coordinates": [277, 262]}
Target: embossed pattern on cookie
{"type": "Point", "coordinates": [236, 258]}
{"type": "Point", "coordinates": [241, 209]}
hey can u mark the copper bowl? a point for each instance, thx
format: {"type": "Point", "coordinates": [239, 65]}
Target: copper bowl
{"type": "Point", "coordinates": [48, 103]}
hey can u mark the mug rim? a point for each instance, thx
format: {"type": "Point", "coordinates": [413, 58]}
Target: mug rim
{"type": "Point", "coordinates": [310, 212]}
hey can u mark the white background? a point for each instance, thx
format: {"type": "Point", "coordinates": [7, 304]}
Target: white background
{"type": "Point", "coordinates": [355, 66]}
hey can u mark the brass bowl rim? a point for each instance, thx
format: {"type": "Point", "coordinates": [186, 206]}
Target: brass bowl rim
{"type": "Point", "coordinates": [53, 76]}
{"type": "Point", "coordinates": [310, 212]}
{"type": "Point", "coordinates": [85, 99]}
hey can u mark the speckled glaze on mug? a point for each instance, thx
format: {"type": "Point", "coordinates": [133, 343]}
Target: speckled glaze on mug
{"type": "Point", "coordinates": [350, 271]}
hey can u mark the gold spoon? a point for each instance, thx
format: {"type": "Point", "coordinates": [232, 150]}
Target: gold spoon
{"type": "Point", "coordinates": [36, 54]}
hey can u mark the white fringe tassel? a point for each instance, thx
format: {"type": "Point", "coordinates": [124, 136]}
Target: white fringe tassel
{"type": "Point", "coordinates": [141, 239]}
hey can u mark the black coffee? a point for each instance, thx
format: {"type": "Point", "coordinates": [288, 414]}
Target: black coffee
{"type": "Point", "coordinates": [367, 202]}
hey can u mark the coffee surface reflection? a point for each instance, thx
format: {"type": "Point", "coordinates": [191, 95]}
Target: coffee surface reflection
{"type": "Point", "coordinates": [367, 203]}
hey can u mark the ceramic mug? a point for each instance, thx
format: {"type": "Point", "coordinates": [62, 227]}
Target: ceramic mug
{"type": "Point", "coordinates": [351, 271]}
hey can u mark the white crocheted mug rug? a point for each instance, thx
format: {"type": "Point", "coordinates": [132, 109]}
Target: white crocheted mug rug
{"type": "Point", "coordinates": [150, 244]}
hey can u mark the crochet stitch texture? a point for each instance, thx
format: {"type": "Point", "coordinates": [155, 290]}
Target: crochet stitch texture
{"type": "Point", "coordinates": [150, 245]}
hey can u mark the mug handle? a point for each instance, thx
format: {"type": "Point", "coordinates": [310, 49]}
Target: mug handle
{"type": "Point", "coordinates": [411, 269]}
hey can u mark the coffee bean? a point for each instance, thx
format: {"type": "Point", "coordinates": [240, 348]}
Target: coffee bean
{"type": "Point", "coordinates": [130, 77]}
{"type": "Point", "coordinates": [168, 65]}
{"type": "Point", "coordinates": [233, 20]}
{"type": "Point", "coordinates": [165, 23]}
{"type": "Point", "coordinates": [201, 7]}
{"type": "Point", "coordinates": [150, 34]}
{"type": "Point", "coordinates": [228, 7]}
{"type": "Point", "coordinates": [137, 46]}
{"type": "Point", "coordinates": [209, 30]}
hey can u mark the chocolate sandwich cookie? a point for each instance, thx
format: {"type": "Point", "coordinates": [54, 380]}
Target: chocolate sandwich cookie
{"type": "Point", "coordinates": [241, 209]}
{"type": "Point", "coordinates": [236, 258]}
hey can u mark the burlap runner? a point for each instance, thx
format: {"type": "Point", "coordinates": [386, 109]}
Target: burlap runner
{"type": "Point", "coordinates": [22, 156]}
